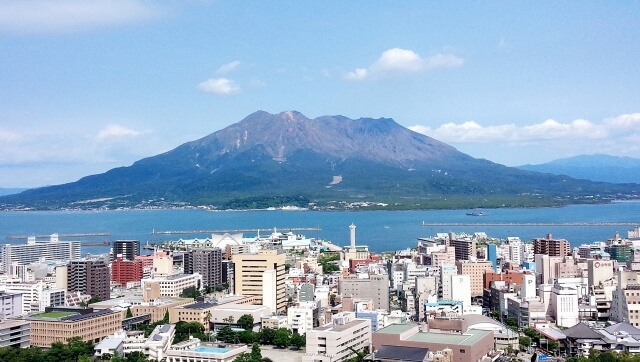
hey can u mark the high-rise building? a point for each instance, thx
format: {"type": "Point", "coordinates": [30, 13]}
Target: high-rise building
{"type": "Point", "coordinates": [125, 271]}
{"type": "Point", "coordinates": [492, 255]}
{"type": "Point", "coordinates": [206, 262]}
{"type": "Point", "coordinates": [249, 276]}
{"type": "Point", "coordinates": [550, 246]}
{"type": "Point", "coordinates": [465, 248]}
{"type": "Point", "coordinates": [89, 276]}
{"type": "Point", "coordinates": [129, 249]}
{"type": "Point", "coordinates": [375, 287]}
{"type": "Point", "coordinates": [33, 251]}
{"type": "Point", "coordinates": [476, 272]}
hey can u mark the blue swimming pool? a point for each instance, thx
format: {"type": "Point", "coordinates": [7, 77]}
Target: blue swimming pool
{"type": "Point", "coordinates": [202, 349]}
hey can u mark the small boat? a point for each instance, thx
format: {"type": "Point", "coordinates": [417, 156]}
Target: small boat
{"type": "Point", "coordinates": [476, 213]}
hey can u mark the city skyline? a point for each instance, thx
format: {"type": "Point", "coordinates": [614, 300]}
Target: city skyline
{"type": "Point", "coordinates": [92, 85]}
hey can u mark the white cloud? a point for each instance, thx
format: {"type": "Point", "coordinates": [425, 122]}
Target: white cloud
{"type": "Point", "coordinates": [396, 60]}
{"type": "Point", "coordinates": [116, 131]}
{"type": "Point", "coordinates": [219, 86]}
{"type": "Point", "coordinates": [8, 136]}
{"type": "Point", "coordinates": [38, 16]}
{"type": "Point", "coordinates": [548, 130]}
{"type": "Point", "coordinates": [229, 67]}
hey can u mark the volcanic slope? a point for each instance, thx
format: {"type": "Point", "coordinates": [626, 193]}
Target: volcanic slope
{"type": "Point", "coordinates": [288, 159]}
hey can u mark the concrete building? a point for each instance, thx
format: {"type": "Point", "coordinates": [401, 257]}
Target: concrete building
{"type": "Point", "coordinates": [466, 345]}
{"type": "Point", "coordinates": [36, 296]}
{"type": "Point", "coordinates": [462, 290]}
{"type": "Point", "coordinates": [89, 276]}
{"type": "Point", "coordinates": [475, 270]}
{"type": "Point", "coordinates": [169, 286]}
{"type": "Point", "coordinates": [444, 288]}
{"type": "Point", "coordinates": [465, 249]}
{"type": "Point", "coordinates": [34, 250]}
{"type": "Point", "coordinates": [249, 276]}
{"type": "Point", "coordinates": [216, 314]}
{"type": "Point", "coordinates": [14, 333]}
{"type": "Point", "coordinates": [60, 324]}
{"type": "Point", "coordinates": [625, 304]}
{"type": "Point", "coordinates": [564, 306]}
{"type": "Point", "coordinates": [10, 305]}
{"type": "Point", "coordinates": [193, 350]}
{"type": "Point", "coordinates": [126, 271]}
{"type": "Point", "coordinates": [333, 342]}
{"type": "Point", "coordinates": [374, 287]}
{"type": "Point", "coordinates": [156, 308]}
{"type": "Point", "coordinates": [206, 262]}
{"type": "Point", "coordinates": [600, 271]}
{"type": "Point", "coordinates": [127, 249]}
{"type": "Point", "coordinates": [301, 317]}
{"type": "Point", "coordinates": [550, 246]}
{"type": "Point", "coordinates": [492, 256]}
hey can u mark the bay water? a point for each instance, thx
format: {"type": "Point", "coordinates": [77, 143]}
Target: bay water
{"type": "Point", "coordinates": [380, 230]}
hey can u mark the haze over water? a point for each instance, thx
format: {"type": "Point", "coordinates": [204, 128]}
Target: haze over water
{"type": "Point", "coordinates": [381, 230]}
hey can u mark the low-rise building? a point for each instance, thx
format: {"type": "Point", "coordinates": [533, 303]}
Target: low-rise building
{"type": "Point", "coordinates": [14, 333]}
{"type": "Point", "coordinates": [334, 342]}
{"type": "Point", "coordinates": [467, 345]}
{"type": "Point", "coordinates": [170, 286]}
{"type": "Point", "coordinates": [59, 324]}
{"type": "Point", "coordinates": [193, 350]}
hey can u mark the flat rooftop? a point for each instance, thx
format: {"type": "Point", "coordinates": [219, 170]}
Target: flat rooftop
{"type": "Point", "coordinates": [468, 338]}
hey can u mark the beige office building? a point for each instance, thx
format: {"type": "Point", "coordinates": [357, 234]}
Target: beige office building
{"type": "Point", "coordinates": [476, 270]}
{"type": "Point", "coordinates": [250, 277]}
{"type": "Point", "coordinates": [59, 325]}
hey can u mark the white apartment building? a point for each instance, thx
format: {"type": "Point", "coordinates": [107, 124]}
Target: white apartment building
{"type": "Point", "coordinates": [333, 342]}
{"type": "Point", "coordinates": [10, 305]}
{"type": "Point", "coordinates": [33, 251]}
{"type": "Point", "coordinates": [36, 296]}
{"type": "Point", "coordinates": [515, 250]}
{"type": "Point", "coordinates": [300, 318]}
{"type": "Point", "coordinates": [444, 289]}
{"type": "Point", "coordinates": [170, 286]}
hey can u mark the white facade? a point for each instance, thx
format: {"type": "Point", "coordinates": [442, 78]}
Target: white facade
{"type": "Point", "coordinates": [333, 342]}
{"type": "Point", "coordinates": [515, 250]}
{"type": "Point", "coordinates": [564, 304]}
{"type": "Point", "coordinates": [446, 271]}
{"type": "Point", "coordinates": [10, 305]}
{"type": "Point", "coordinates": [270, 289]}
{"type": "Point", "coordinates": [31, 293]}
{"type": "Point", "coordinates": [528, 290]}
{"type": "Point", "coordinates": [173, 286]}
{"type": "Point", "coordinates": [461, 290]}
{"type": "Point", "coordinates": [33, 251]}
{"type": "Point", "coordinates": [300, 319]}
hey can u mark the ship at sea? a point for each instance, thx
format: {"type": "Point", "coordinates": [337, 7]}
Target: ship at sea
{"type": "Point", "coordinates": [476, 213]}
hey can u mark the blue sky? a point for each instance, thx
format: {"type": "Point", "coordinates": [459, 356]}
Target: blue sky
{"type": "Point", "coordinates": [86, 86]}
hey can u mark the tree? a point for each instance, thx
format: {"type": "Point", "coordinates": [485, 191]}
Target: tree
{"type": "Point", "coordinates": [525, 342]}
{"type": "Point", "coordinates": [94, 299]}
{"type": "Point", "coordinates": [229, 319]}
{"type": "Point", "coordinates": [129, 313]}
{"type": "Point", "coordinates": [246, 337]}
{"type": "Point", "coordinates": [359, 355]}
{"type": "Point", "coordinates": [246, 321]}
{"type": "Point", "coordinates": [298, 341]}
{"type": "Point", "coordinates": [552, 345]}
{"type": "Point", "coordinates": [282, 338]}
{"type": "Point", "coordinates": [226, 334]}
{"type": "Point", "coordinates": [166, 317]}
{"type": "Point", "coordinates": [267, 335]}
{"type": "Point", "coordinates": [256, 353]}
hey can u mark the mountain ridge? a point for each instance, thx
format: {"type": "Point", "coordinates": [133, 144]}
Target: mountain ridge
{"type": "Point", "coordinates": [286, 158]}
{"type": "Point", "coordinates": [594, 167]}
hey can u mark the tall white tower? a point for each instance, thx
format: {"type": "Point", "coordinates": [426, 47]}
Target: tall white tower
{"type": "Point", "coordinates": [352, 229]}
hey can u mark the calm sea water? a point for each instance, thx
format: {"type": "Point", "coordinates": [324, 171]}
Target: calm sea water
{"type": "Point", "coordinates": [381, 230]}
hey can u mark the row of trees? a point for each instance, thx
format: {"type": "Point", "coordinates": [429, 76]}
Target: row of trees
{"type": "Point", "coordinates": [608, 356]}
{"type": "Point", "coordinates": [75, 350]}
{"type": "Point", "coordinates": [281, 337]}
